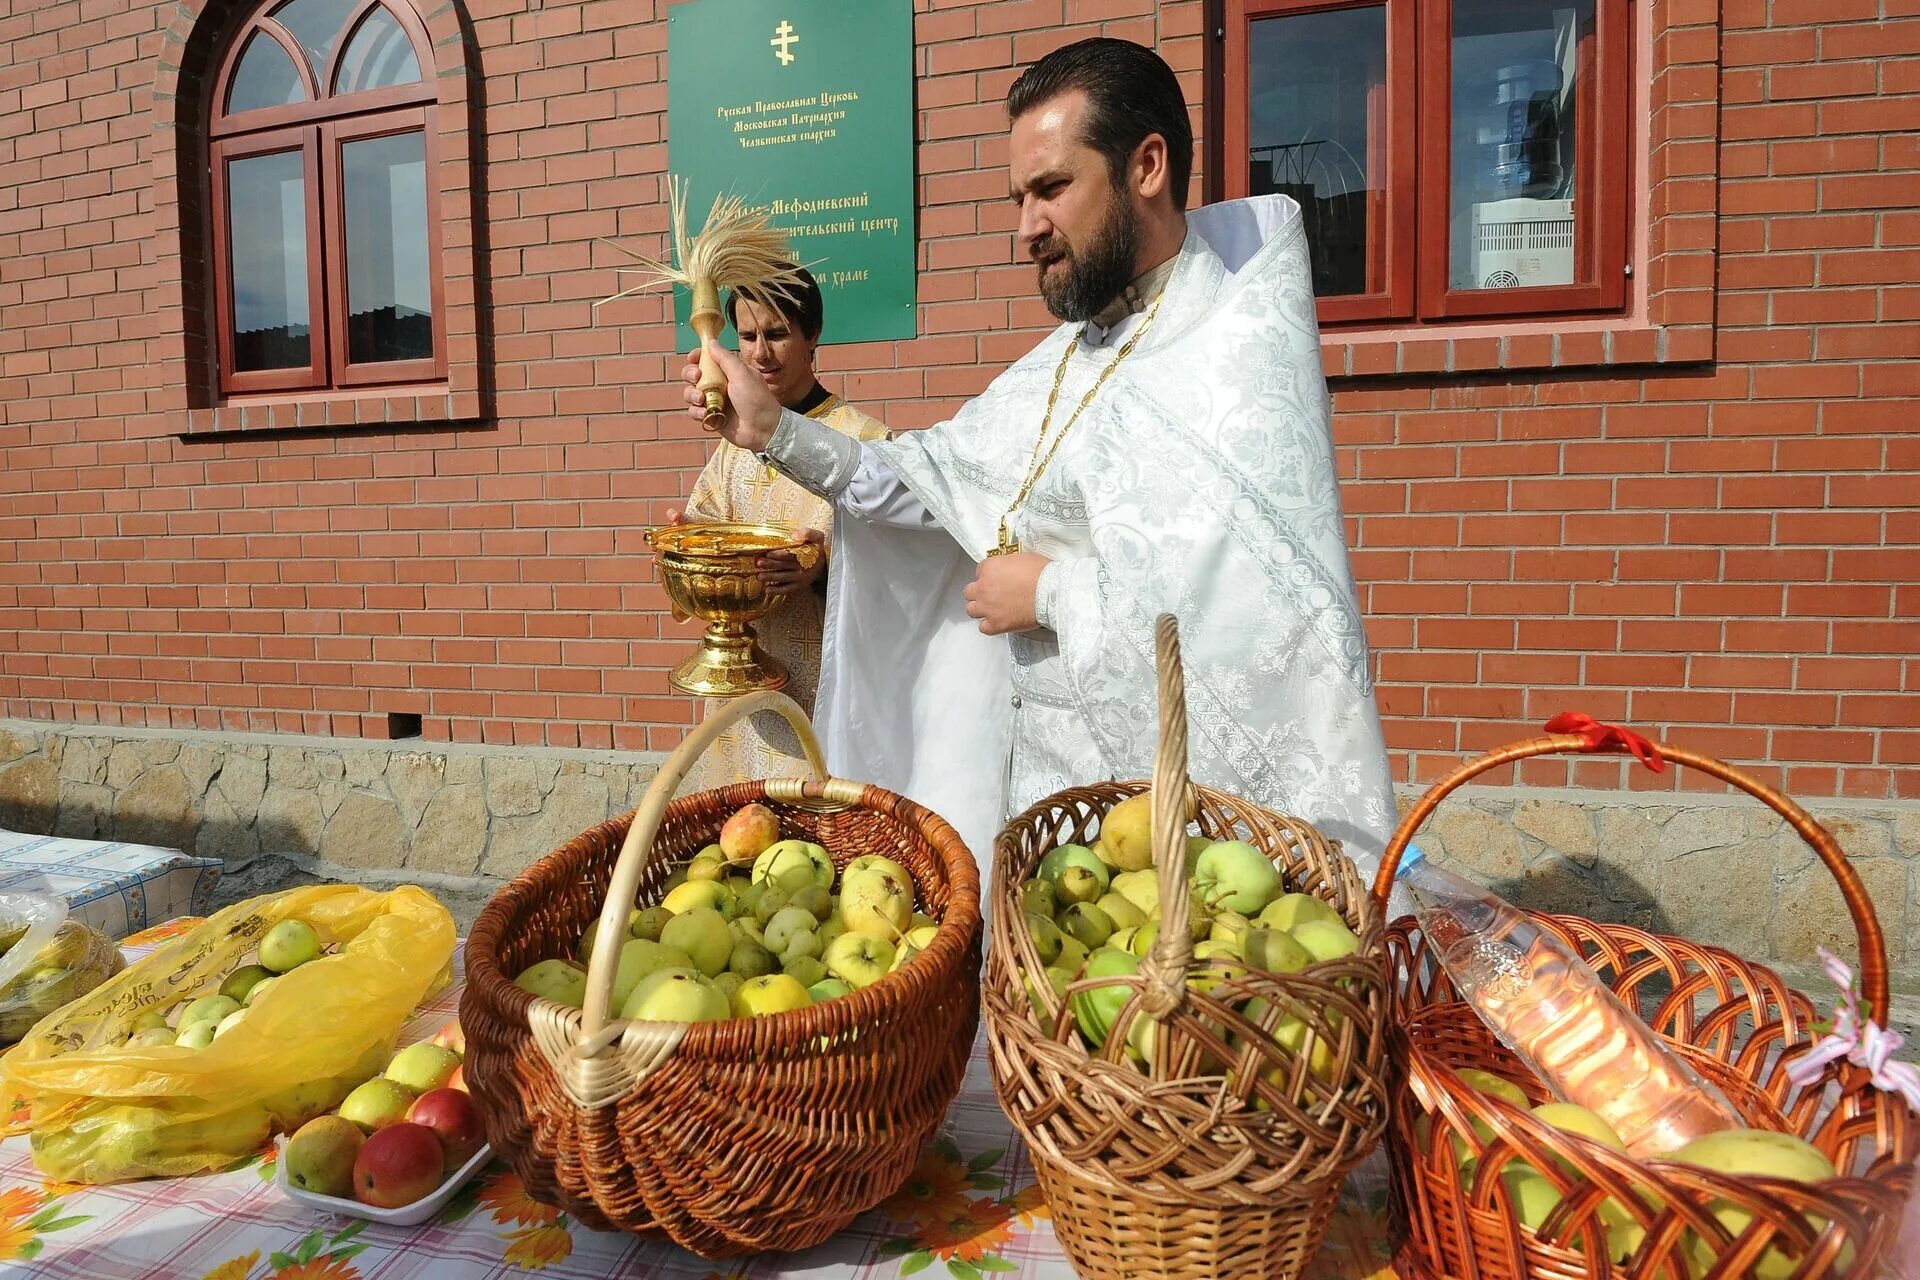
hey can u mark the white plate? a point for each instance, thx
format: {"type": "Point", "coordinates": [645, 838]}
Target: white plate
{"type": "Point", "coordinates": [407, 1215]}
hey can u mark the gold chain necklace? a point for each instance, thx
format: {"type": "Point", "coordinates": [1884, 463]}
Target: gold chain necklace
{"type": "Point", "coordinates": [1036, 463]}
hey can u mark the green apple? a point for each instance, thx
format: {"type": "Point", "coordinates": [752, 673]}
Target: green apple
{"type": "Point", "coordinates": [831, 929]}
{"type": "Point", "coordinates": [1126, 833]}
{"type": "Point", "coordinates": [872, 862]}
{"type": "Point", "coordinates": [751, 960]}
{"type": "Point", "coordinates": [1325, 939]}
{"type": "Point", "coordinates": [1046, 937]}
{"type": "Point", "coordinates": [1235, 875]}
{"type": "Point", "coordinates": [152, 1019]}
{"type": "Point", "coordinates": [773, 993]}
{"type": "Point", "coordinates": [151, 1038]}
{"type": "Point", "coordinates": [676, 995]}
{"type": "Point", "coordinates": [243, 980]}
{"type": "Point", "coordinates": [1073, 855]}
{"type": "Point", "coordinates": [560, 981]}
{"type": "Point", "coordinates": [638, 958]}
{"type": "Point", "coordinates": [1290, 909]}
{"type": "Point", "coordinates": [806, 970]}
{"type": "Point", "coordinates": [794, 864]}
{"type": "Point", "coordinates": [195, 1035]}
{"type": "Point", "coordinates": [1121, 910]}
{"type": "Point", "coordinates": [706, 866]}
{"type": "Point", "coordinates": [1088, 923]}
{"type": "Point", "coordinates": [786, 923]}
{"type": "Point", "coordinates": [1037, 898]}
{"type": "Point", "coordinates": [207, 1009]}
{"type": "Point", "coordinates": [922, 936]}
{"type": "Point", "coordinates": [859, 958]}
{"type": "Point", "coordinates": [377, 1103]}
{"type": "Point", "coordinates": [878, 902]}
{"type": "Point", "coordinates": [702, 935]}
{"type": "Point", "coordinates": [1205, 975]}
{"type": "Point", "coordinates": [257, 990]}
{"type": "Point", "coordinates": [229, 1022]}
{"type": "Point", "coordinates": [1229, 927]}
{"type": "Point", "coordinates": [1120, 939]}
{"type": "Point", "coordinates": [1095, 1010]}
{"type": "Point", "coordinates": [805, 942]}
{"type": "Point", "coordinates": [1141, 888]}
{"type": "Point", "coordinates": [1077, 885]}
{"type": "Point", "coordinates": [423, 1067]}
{"type": "Point", "coordinates": [695, 894]}
{"type": "Point", "coordinates": [288, 945]}
{"type": "Point", "coordinates": [747, 929]}
{"type": "Point", "coordinates": [728, 985]}
{"type": "Point", "coordinates": [814, 899]}
{"type": "Point", "coordinates": [1274, 951]}
{"type": "Point", "coordinates": [829, 989]}
{"type": "Point", "coordinates": [1760, 1153]}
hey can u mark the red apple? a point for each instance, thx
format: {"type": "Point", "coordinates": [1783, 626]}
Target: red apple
{"type": "Point", "coordinates": [454, 1119]}
{"type": "Point", "coordinates": [398, 1165]}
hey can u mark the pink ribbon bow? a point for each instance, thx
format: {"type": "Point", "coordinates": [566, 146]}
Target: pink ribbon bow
{"type": "Point", "coordinates": [1858, 1039]}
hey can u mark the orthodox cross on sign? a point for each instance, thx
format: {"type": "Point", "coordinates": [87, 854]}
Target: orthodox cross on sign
{"type": "Point", "coordinates": [783, 42]}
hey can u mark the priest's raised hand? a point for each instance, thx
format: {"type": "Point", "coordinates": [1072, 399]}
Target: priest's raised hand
{"type": "Point", "coordinates": [751, 411]}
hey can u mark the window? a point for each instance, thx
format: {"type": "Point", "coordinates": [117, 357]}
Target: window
{"type": "Point", "coordinates": [1452, 159]}
{"type": "Point", "coordinates": [326, 229]}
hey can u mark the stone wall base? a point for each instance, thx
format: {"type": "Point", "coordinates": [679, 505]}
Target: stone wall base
{"type": "Point", "coordinates": [462, 819]}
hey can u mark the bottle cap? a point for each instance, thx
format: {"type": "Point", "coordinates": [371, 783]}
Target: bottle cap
{"type": "Point", "coordinates": [1411, 858]}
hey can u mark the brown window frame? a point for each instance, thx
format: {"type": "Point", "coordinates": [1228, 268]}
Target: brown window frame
{"type": "Point", "coordinates": [1414, 204]}
{"type": "Point", "coordinates": [318, 128]}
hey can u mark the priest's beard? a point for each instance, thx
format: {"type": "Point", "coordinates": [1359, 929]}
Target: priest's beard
{"type": "Point", "coordinates": [1096, 273]}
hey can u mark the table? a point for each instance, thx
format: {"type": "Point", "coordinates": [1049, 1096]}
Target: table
{"type": "Point", "coordinates": [117, 888]}
{"type": "Point", "coordinates": [970, 1211]}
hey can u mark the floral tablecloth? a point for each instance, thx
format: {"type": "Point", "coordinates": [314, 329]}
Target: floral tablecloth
{"type": "Point", "coordinates": [970, 1211]}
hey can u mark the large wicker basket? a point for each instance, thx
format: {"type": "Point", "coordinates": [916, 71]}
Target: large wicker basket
{"type": "Point", "coordinates": [1225, 1157]}
{"type": "Point", "coordinates": [1736, 1023]}
{"type": "Point", "coordinates": [735, 1137]}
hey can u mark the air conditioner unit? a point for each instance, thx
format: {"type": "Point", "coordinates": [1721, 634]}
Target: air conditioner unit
{"type": "Point", "coordinates": [1522, 242]}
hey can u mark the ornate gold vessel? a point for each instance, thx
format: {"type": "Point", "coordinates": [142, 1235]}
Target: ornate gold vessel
{"type": "Point", "coordinates": [711, 572]}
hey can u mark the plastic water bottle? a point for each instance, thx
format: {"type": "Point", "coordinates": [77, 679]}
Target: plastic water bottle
{"type": "Point", "coordinates": [1545, 1004]}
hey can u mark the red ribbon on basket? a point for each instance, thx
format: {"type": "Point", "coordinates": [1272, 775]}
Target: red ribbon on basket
{"type": "Point", "coordinates": [1602, 736]}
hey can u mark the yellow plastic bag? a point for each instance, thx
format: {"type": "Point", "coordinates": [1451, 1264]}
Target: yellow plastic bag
{"type": "Point", "coordinates": [101, 1111]}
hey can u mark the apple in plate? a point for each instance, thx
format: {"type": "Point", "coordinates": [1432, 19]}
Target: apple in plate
{"type": "Point", "coordinates": [398, 1165]}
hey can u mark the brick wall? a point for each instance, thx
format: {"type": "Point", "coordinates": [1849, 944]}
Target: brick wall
{"type": "Point", "coordinates": [1725, 551]}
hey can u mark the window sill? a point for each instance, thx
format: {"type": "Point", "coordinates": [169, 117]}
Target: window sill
{"type": "Point", "coordinates": [319, 410]}
{"type": "Point", "coordinates": [1543, 343]}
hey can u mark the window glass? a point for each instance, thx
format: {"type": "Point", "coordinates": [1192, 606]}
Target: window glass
{"type": "Point", "coordinates": [316, 25]}
{"type": "Point", "coordinates": [389, 286]}
{"type": "Point", "coordinates": [267, 208]}
{"type": "Point", "coordinates": [266, 77]}
{"type": "Point", "coordinates": [379, 55]}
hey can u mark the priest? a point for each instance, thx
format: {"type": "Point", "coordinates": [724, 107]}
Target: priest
{"type": "Point", "coordinates": [1167, 449]}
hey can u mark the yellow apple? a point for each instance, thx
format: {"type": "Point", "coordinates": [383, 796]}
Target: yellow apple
{"type": "Point", "coordinates": [860, 958]}
{"type": "Point", "coordinates": [1126, 833]}
{"type": "Point", "coordinates": [1762, 1153]}
{"type": "Point", "coordinates": [695, 894]}
{"type": "Point", "coordinates": [773, 993]}
{"type": "Point", "coordinates": [676, 995]}
{"type": "Point", "coordinates": [1325, 939]}
{"type": "Point", "coordinates": [700, 934]}
{"type": "Point", "coordinates": [1290, 909]}
{"type": "Point", "coordinates": [1121, 910]}
{"type": "Point", "coordinates": [878, 903]}
{"type": "Point", "coordinates": [1141, 888]}
{"type": "Point", "coordinates": [792, 865]}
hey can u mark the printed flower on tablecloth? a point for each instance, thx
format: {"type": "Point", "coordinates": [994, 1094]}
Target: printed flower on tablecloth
{"type": "Point", "coordinates": [234, 1268]}
{"type": "Point", "coordinates": [54, 1188]}
{"type": "Point", "coordinates": [1029, 1205]}
{"type": "Point", "coordinates": [946, 1224]}
{"type": "Point", "coordinates": [506, 1198]}
{"type": "Point", "coordinates": [538, 1247]}
{"type": "Point", "coordinates": [25, 1215]}
{"type": "Point", "coordinates": [938, 1186]}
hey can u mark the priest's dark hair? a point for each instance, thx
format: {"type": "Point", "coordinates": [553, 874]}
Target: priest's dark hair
{"type": "Point", "coordinates": [807, 309]}
{"type": "Point", "coordinates": [1131, 93]}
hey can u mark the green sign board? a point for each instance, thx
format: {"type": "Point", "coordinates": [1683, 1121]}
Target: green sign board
{"type": "Point", "coordinates": [805, 108]}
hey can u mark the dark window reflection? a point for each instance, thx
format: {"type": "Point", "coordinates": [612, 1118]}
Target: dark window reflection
{"type": "Point", "coordinates": [389, 290]}
{"type": "Point", "coordinates": [1316, 103]}
{"type": "Point", "coordinates": [1515, 141]}
{"type": "Point", "coordinates": [267, 210]}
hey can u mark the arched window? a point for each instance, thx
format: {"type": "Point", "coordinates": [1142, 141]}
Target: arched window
{"type": "Point", "coordinates": [326, 225]}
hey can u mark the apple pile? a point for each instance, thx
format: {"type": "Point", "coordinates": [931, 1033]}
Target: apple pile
{"type": "Point", "coordinates": [752, 925]}
{"type": "Point", "coordinates": [196, 1023]}
{"type": "Point", "coordinates": [1094, 912]}
{"type": "Point", "coordinates": [73, 962]}
{"type": "Point", "coordinates": [397, 1136]}
{"type": "Point", "coordinates": [1764, 1153]}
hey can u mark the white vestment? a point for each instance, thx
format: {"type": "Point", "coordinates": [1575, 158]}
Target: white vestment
{"type": "Point", "coordinates": [1200, 481]}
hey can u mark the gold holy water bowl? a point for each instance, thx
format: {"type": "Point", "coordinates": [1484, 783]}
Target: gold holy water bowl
{"type": "Point", "coordinates": [711, 571]}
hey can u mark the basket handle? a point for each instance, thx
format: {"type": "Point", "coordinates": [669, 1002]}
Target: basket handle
{"type": "Point", "coordinates": [625, 887]}
{"type": "Point", "coordinates": [1873, 945]}
{"type": "Point", "coordinates": [1165, 967]}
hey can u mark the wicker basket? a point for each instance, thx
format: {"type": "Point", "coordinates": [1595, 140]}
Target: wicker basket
{"type": "Point", "coordinates": [1226, 1156]}
{"type": "Point", "coordinates": [726, 1138]}
{"type": "Point", "coordinates": [1737, 1024]}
